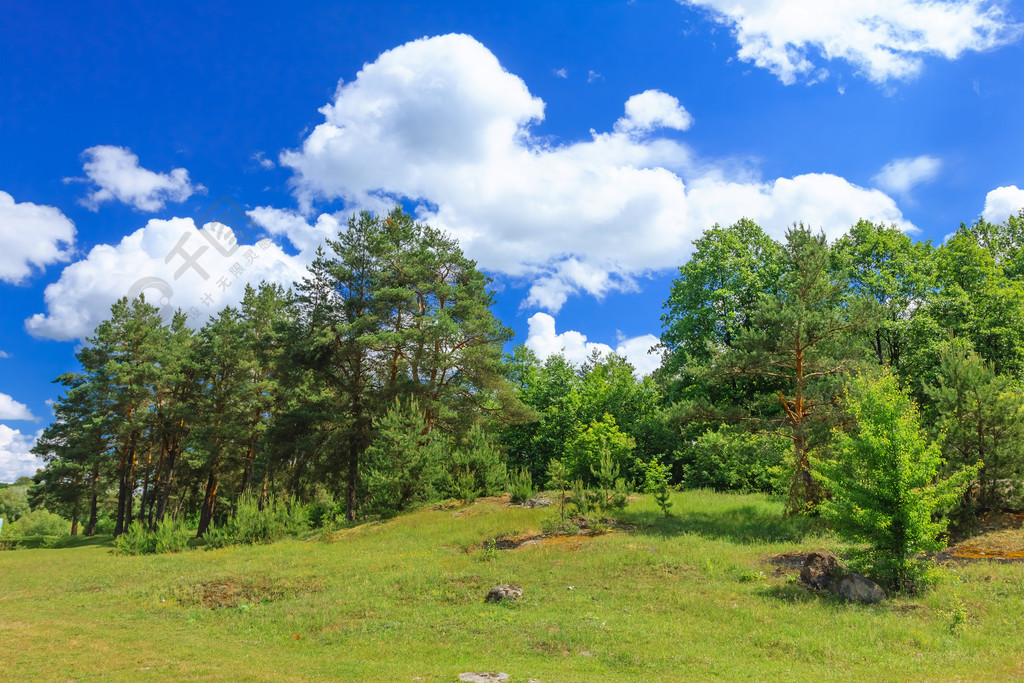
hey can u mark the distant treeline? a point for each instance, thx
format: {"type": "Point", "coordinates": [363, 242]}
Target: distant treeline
{"type": "Point", "coordinates": [379, 381]}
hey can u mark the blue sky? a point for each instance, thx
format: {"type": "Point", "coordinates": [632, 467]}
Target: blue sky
{"type": "Point", "coordinates": [575, 149]}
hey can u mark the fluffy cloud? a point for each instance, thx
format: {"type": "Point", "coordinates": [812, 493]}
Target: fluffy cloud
{"type": "Point", "coordinates": [16, 460]}
{"type": "Point", "coordinates": [883, 39]}
{"type": "Point", "coordinates": [117, 174]}
{"type": "Point", "coordinates": [14, 410]}
{"type": "Point", "coordinates": [901, 175]}
{"type": "Point", "coordinates": [294, 227]}
{"type": "Point", "coordinates": [32, 235]}
{"type": "Point", "coordinates": [653, 109]}
{"type": "Point", "coordinates": [173, 263]}
{"type": "Point", "coordinates": [439, 122]}
{"type": "Point", "coordinates": [4, 354]}
{"type": "Point", "coordinates": [544, 341]}
{"type": "Point", "coordinates": [1003, 202]}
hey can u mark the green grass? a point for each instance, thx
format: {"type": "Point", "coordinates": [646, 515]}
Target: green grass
{"type": "Point", "coordinates": [688, 597]}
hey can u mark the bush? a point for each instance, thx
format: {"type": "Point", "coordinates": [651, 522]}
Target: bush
{"type": "Point", "coordinates": [520, 486]}
{"type": "Point", "coordinates": [38, 523]}
{"type": "Point", "coordinates": [279, 518]}
{"type": "Point", "coordinates": [599, 440]}
{"type": "Point", "coordinates": [13, 503]}
{"type": "Point", "coordinates": [731, 460]}
{"type": "Point", "coordinates": [464, 486]}
{"type": "Point", "coordinates": [883, 481]}
{"type": "Point", "coordinates": [558, 477]}
{"type": "Point", "coordinates": [476, 457]}
{"type": "Point", "coordinates": [170, 536]}
{"type": "Point", "coordinates": [135, 540]}
{"type": "Point", "coordinates": [656, 483]}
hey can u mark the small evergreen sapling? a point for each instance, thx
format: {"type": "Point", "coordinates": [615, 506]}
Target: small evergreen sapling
{"type": "Point", "coordinates": [520, 486]}
{"type": "Point", "coordinates": [558, 477]}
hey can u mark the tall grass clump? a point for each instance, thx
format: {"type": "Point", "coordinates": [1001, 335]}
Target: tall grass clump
{"type": "Point", "coordinates": [279, 518]}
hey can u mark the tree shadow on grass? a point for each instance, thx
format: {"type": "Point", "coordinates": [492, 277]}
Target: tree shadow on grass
{"type": "Point", "coordinates": [744, 524]}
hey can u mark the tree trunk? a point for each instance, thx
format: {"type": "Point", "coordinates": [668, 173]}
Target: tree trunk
{"type": "Point", "coordinates": [165, 493]}
{"type": "Point", "coordinates": [263, 493]}
{"type": "Point", "coordinates": [209, 501]}
{"type": "Point", "coordinates": [90, 527]}
{"type": "Point", "coordinates": [144, 499]}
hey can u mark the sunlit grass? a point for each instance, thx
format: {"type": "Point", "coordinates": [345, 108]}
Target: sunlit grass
{"type": "Point", "coordinates": [687, 597]}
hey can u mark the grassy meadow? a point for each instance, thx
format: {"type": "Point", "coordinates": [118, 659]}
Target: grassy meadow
{"type": "Point", "coordinates": [691, 597]}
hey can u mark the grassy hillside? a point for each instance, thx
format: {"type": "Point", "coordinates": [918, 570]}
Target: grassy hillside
{"type": "Point", "coordinates": [691, 597]}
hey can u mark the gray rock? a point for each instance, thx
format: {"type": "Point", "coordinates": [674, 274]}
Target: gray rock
{"type": "Point", "coordinates": [506, 591]}
{"type": "Point", "coordinates": [483, 677]}
{"type": "Point", "coordinates": [858, 589]}
{"type": "Point", "coordinates": [820, 570]}
{"type": "Point", "coordinates": [538, 502]}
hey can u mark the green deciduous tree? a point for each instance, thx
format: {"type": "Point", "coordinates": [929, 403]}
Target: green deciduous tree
{"type": "Point", "coordinates": [718, 291]}
{"type": "Point", "coordinates": [884, 267]}
{"type": "Point", "coordinates": [13, 502]}
{"type": "Point", "coordinates": [597, 441]}
{"type": "Point", "coordinates": [883, 480]}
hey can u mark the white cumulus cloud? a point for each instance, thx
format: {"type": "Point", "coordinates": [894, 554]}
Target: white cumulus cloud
{"type": "Point", "coordinates": [440, 123]}
{"type": "Point", "coordinates": [1003, 202]}
{"type": "Point", "coordinates": [883, 39]}
{"type": "Point", "coordinates": [32, 235]}
{"type": "Point", "coordinates": [16, 460]}
{"type": "Point", "coordinates": [117, 175]}
{"type": "Point", "coordinates": [899, 176]}
{"type": "Point", "coordinates": [653, 109]}
{"type": "Point", "coordinates": [293, 226]}
{"type": "Point", "coordinates": [173, 263]}
{"type": "Point", "coordinates": [544, 341]}
{"type": "Point", "coordinates": [14, 410]}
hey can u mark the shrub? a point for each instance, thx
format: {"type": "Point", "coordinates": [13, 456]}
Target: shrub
{"type": "Point", "coordinates": [464, 487]}
{"type": "Point", "coordinates": [13, 503]}
{"type": "Point", "coordinates": [558, 477]}
{"type": "Point", "coordinates": [279, 518]}
{"type": "Point", "coordinates": [135, 540]}
{"type": "Point", "coordinates": [170, 536]}
{"type": "Point", "coordinates": [599, 440]}
{"type": "Point", "coordinates": [731, 460]}
{"type": "Point", "coordinates": [38, 523]}
{"type": "Point", "coordinates": [520, 486]}
{"type": "Point", "coordinates": [478, 457]}
{"type": "Point", "coordinates": [883, 481]}
{"type": "Point", "coordinates": [656, 483]}
{"type": "Point", "coordinates": [613, 492]}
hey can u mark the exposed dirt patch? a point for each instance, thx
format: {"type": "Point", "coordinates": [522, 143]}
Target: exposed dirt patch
{"type": "Point", "coordinates": [237, 591]}
{"type": "Point", "coordinates": [570, 540]}
{"type": "Point", "coordinates": [1001, 540]}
